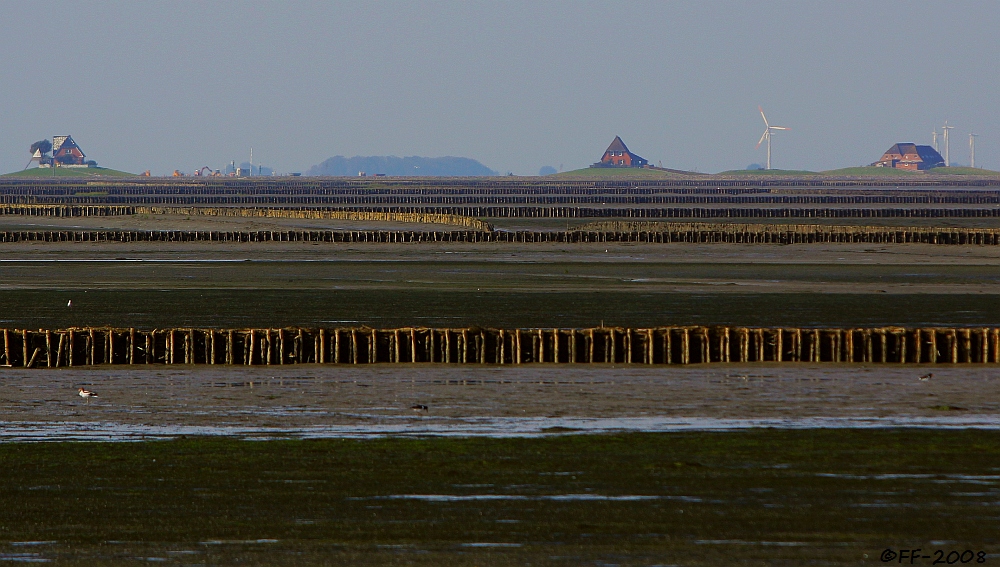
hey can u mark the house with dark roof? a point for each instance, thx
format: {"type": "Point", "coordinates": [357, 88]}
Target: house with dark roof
{"type": "Point", "coordinates": [65, 152]}
{"type": "Point", "coordinates": [910, 156]}
{"type": "Point", "coordinates": [617, 155]}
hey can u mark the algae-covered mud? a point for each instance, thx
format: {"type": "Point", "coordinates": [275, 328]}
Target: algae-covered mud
{"type": "Point", "coordinates": [756, 497]}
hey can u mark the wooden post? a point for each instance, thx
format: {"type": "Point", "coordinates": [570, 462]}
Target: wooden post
{"type": "Point", "coordinates": [953, 345]}
{"type": "Point", "coordinates": [395, 345]}
{"type": "Point", "coordinates": [778, 345]}
{"type": "Point", "coordinates": [253, 346]}
{"type": "Point", "coordinates": [413, 345]}
{"type": "Point", "coordinates": [91, 347]}
{"type": "Point", "coordinates": [267, 347]}
{"type": "Point", "coordinates": [627, 340]}
{"type": "Point", "coordinates": [590, 345]}
{"type": "Point", "coordinates": [336, 346]}
{"type": "Point", "coordinates": [25, 341]}
{"type": "Point", "coordinates": [481, 347]}
{"type": "Point", "coordinates": [446, 358]}
{"type": "Point", "coordinates": [321, 351]}
{"type": "Point", "coordinates": [650, 343]}
{"type": "Point", "coordinates": [131, 345]}
{"type": "Point", "coordinates": [6, 347]}
{"type": "Point", "coordinates": [744, 345]}
{"type": "Point", "coordinates": [517, 350]}
{"type": "Point", "coordinates": [686, 346]}
{"type": "Point", "coordinates": [541, 346]}
{"type": "Point", "coordinates": [555, 345]}
{"type": "Point", "coordinates": [884, 343]}
{"type": "Point", "coordinates": [465, 346]}
{"type": "Point", "coordinates": [611, 347]}
{"type": "Point", "coordinates": [211, 347]}
{"type": "Point", "coordinates": [354, 346]}
{"type": "Point", "coordinates": [500, 347]}
{"type": "Point", "coordinates": [48, 348]}
{"type": "Point", "coordinates": [59, 349]}
{"type": "Point", "coordinates": [706, 353]}
{"type": "Point", "coordinates": [372, 347]}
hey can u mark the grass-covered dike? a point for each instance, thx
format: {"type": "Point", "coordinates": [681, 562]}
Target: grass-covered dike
{"type": "Point", "coordinates": [753, 497]}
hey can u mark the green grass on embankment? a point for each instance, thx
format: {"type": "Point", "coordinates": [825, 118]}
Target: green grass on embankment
{"type": "Point", "coordinates": [826, 496]}
{"type": "Point", "coordinates": [68, 172]}
{"type": "Point", "coordinates": [963, 171]}
{"type": "Point", "coordinates": [603, 173]}
{"type": "Point", "coordinates": [869, 171]}
{"type": "Point", "coordinates": [766, 172]}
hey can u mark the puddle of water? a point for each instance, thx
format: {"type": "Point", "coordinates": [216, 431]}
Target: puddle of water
{"type": "Point", "coordinates": [24, 558]}
{"type": "Point", "coordinates": [467, 427]}
{"type": "Point", "coordinates": [554, 497]}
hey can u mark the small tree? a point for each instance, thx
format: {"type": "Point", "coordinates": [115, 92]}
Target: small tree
{"type": "Point", "coordinates": [43, 146]}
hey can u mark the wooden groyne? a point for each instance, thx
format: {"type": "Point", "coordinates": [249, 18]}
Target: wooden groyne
{"type": "Point", "coordinates": [415, 217]}
{"type": "Point", "coordinates": [469, 216]}
{"type": "Point", "coordinates": [659, 345]}
{"type": "Point", "coordinates": [351, 215]}
{"type": "Point", "coordinates": [734, 234]}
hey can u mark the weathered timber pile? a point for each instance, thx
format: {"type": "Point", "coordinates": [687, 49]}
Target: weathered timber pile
{"type": "Point", "coordinates": [775, 234]}
{"type": "Point", "coordinates": [660, 345]}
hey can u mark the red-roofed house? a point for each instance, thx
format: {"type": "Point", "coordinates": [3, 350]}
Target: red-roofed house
{"type": "Point", "coordinates": [617, 155]}
{"type": "Point", "coordinates": [66, 152]}
{"type": "Point", "coordinates": [910, 156]}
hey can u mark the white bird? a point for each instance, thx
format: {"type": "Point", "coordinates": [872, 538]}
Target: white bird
{"type": "Point", "coordinates": [927, 377]}
{"type": "Point", "coordinates": [69, 303]}
{"type": "Point", "coordinates": [87, 394]}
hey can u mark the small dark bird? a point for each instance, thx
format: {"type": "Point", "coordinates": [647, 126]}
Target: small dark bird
{"type": "Point", "coordinates": [419, 407]}
{"type": "Point", "coordinates": [927, 377]}
{"type": "Point", "coordinates": [87, 394]}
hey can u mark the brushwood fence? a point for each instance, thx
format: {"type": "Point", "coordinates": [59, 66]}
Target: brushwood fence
{"type": "Point", "coordinates": [610, 345]}
{"type": "Point", "coordinates": [470, 215]}
{"type": "Point", "coordinates": [748, 234]}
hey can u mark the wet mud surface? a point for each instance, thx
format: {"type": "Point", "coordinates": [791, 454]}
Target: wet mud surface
{"type": "Point", "coordinates": [315, 401]}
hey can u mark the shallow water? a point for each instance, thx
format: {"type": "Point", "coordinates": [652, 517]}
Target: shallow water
{"type": "Point", "coordinates": [494, 427]}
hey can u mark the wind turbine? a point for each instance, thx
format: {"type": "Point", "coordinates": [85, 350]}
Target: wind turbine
{"type": "Point", "coordinates": [972, 149]}
{"type": "Point", "coordinates": [767, 135]}
{"type": "Point", "coordinates": [947, 144]}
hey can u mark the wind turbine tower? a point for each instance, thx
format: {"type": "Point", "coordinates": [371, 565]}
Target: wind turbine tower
{"type": "Point", "coordinates": [947, 145]}
{"type": "Point", "coordinates": [767, 135]}
{"type": "Point", "coordinates": [972, 149]}
{"type": "Point", "coordinates": [934, 140]}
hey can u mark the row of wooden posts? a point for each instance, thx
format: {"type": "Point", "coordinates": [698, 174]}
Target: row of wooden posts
{"type": "Point", "coordinates": [433, 196]}
{"type": "Point", "coordinates": [481, 211]}
{"type": "Point", "coordinates": [660, 345]}
{"type": "Point", "coordinates": [708, 235]}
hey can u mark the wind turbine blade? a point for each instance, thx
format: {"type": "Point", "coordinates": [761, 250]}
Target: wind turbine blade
{"type": "Point", "coordinates": [778, 128]}
{"type": "Point", "coordinates": [762, 138]}
{"type": "Point", "coordinates": [762, 116]}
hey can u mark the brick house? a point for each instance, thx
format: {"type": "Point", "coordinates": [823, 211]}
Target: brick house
{"type": "Point", "coordinates": [617, 155]}
{"type": "Point", "coordinates": [66, 152]}
{"type": "Point", "coordinates": [910, 156]}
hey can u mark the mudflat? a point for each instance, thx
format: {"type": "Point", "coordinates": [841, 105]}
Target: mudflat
{"type": "Point", "coordinates": [313, 400]}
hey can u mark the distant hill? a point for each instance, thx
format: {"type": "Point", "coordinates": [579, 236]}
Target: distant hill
{"type": "Point", "coordinates": [392, 165]}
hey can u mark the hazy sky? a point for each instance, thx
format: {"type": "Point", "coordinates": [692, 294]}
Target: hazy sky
{"type": "Point", "coordinates": [516, 85]}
